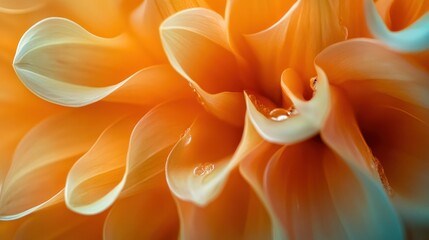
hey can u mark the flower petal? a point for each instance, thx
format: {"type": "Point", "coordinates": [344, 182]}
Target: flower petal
{"type": "Point", "coordinates": [227, 217]}
{"type": "Point", "coordinates": [317, 196]}
{"type": "Point", "coordinates": [44, 156]}
{"type": "Point", "coordinates": [308, 120]}
{"type": "Point", "coordinates": [57, 222]}
{"type": "Point", "coordinates": [294, 41]}
{"type": "Point", "coordinates": [202, 160]}
{"type": "Point", "coordinates": [193, 40]}
{"type": "Point", "coordinates": [369, 65]}
{"type": "Point", "coordinates": [93, 183]}
{"type": "Point", "coordinates": [405, 13]}
{"type": "Point", "coordinates": [412, 39]}
{"type": "Point", "coordinates": [20, 6]}
{"type": "Point", "coordinates": [63, 63]}
{"type": "Point", "coordinates": [149, 215]}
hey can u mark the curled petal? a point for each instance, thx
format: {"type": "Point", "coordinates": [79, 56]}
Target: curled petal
{"type": "Point", "coordinates": [305, 123]}
{"type": "Point", "coordinates": [193, 40]}
{"type": "Point", "coordinates": [200, 163]}
{"type": "Point", "coordinates": [367, 64]}
{"type": "Point", "coordinates": [93, 182]}
{"type": "Point", "coordinates": [45, 155]}
{"type": "Point", "coordinates": [317, 189]}
{"type": "Point", "coordinates": [63, 63]}
{"type": "Point", "coordinates": [414, 38]}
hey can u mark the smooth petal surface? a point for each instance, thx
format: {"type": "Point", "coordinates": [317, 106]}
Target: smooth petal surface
{"type": "Point", "coordinates": [20, 6]}
{"type": "Point", "coordinates": [148, 215]}
{"type": "Point", "coordinates": [414, 38]}
{"type": "Point", "coordinates": [45, 155]}
{"type": "Point", "coordinates": [63, 63]}
{"type": "Point", "coordinates": [368, 64]}
{"type": "Point", "coordinates": [202, 147]}
{"type": "Point", "coordinates": [305, 123]}
{"type": "Point", "coordinates": [317, 196]}
{"type": "Point", "coordinates": [237, 202]}
{"type": "Point", "coordinates": [307, 28]}
{"type": "Point", "coordinates": [193, 40]}
{"type": "Point", "coordinates": [93, 182]}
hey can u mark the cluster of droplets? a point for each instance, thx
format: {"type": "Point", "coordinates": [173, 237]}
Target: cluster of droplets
{"type": "Point", "coordinates": [199, 98]}
{"type": "Point", "coordinates": [376, 166]}
{"type": "Point", "coordinates": [203, 169]}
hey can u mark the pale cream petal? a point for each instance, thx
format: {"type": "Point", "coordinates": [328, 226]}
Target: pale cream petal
{"type": "Point", "coordinates": [368, 64]}
{"type": "Point", "coordinates": [93, 183]}
{"type": "Point", "coordinates": [317, 196]}
{"type": "Point", "coordinates": [411, 39]}
{"type": "Point", "coordinates": [45, 155]}
{"type": "Point", "coordinates": [196, 45]}
{"type": "Point", "coordinates": [63, 63]}
{"type": "Point", "coordinates": [306, 29]}
{"type": "Point", "coordinates": [227, 217]}
{"type": "Point", "coordinates": [306, 122]}
{"type": "Point", "coordinates": [148, 215]}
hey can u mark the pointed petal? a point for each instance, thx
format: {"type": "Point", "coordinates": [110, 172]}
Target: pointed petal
{"type": "Point", "coordinates": [201, 161]}
{"type": "Point", "coordinates": [293, 42]}
{"type": "Point", "coordinates": [366, 64]}
{"type": "Point", "coordinates": [149, 215]}
{"type": "Point", "coordinates": [45, 155]}
{"type": "Point", "coordinates": [237, 203]}
{"type": "Point", "coordinates": [317, 196]}
{"type": "Point", "coordinates": [193, 40]}
{"type": "Point", "coordinates": [88, 68]}
{"type": "Point", "coordinates": [93, 183]}
{"type": "Point", "coordinates": [411, 39]}
{"type": "Point", "coordinates": [57, 222]}
{"type": "Point", "coordinates": [297, 127]}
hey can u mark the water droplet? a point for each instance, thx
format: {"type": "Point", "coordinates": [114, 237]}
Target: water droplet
{"type": "Point", "coordinates": [204, 169]}
{"type": "Point", "coordinates": [292, 111]}
{"type": "Point", "coordinates": [279, 114]}
{"type": "Point", "coordinates": [376, 165]}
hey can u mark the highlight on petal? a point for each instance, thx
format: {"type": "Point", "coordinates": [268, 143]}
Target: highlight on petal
{"type": "Point", "coordinates": [20, 6]}
{"type": "Point", "coordinates": [195, 39]}
{"type": "Point", "coordinates": [93, 182]}
{"type": "Point", "coordinates": [63, 63]}
{"type": "Point", "coordinates": [316, 195]}
{"type": "Point", "coordinates": [227, 216]}
{"type": "Point", "coordinates": [414, 38]}
{"type": "Point", "coordinates": [365, 63]}
{"type": "Point", "coordinates": [200, 163]}
{"type": "Point", "coordinates": [306, 29]}
{"type": "Point", "coordinates": [307, 119]}
{"type": "Point", "coordinates": [148, 215]}
{"type": "Point", "coordinates": [45, 155]}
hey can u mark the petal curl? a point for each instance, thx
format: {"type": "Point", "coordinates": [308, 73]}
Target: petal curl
{"type": "Point", "coordinates": [63, 63]}
{"type": "Point", "coordinates": [310, 115]}
{"type": "Point", "coordinates": [414, 38]}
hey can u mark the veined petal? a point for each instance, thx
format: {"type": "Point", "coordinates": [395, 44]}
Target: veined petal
{"type": "Point", "coordinates": [306, 122]}
{"type": "Point", "coordinates": [45, 155]}
{"type": "Point", "coordinates": [93, 183]}
{"type": "Point", "coordinates": [57, 222]}
{"type": "Point", "coordinates": [193, 40]}
{"type": "Point", "coordinates": [317, 196]}
{"type": "Point", "coordinates": [414, 38]}
{"type": "Point", "coordinates": [237, 203]}
{"type": "Point", "coordinates": [63, 63]}
{"type": "Point", "coordinates": [202, 159]}
{"type": "Point", "coordinates": [148, 215]}
{"type": "Point", "coordinates": [294, 41]}
{"type": "Point", "coordinates": [367, 64]}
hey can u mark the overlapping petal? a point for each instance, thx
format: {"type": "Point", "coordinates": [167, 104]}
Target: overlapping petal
{"type": "Point", "coordinates": [63, 63]}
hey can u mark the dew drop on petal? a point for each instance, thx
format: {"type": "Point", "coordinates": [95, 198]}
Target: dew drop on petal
{"type": "Point", "coordinates": [208, 167]}
{"type": "Point", "coordinates": [313, 83]}
{"type": "Point", "coordinates": [279, 114]}
{"type": "Point", "coordinates": [292, 111]}
{"type": "Point", "coordinates": [203, 169]}
{"type": "Point", "coordinates": [199, 171]}
{"type": "Point", "coordinates": [186, 137]}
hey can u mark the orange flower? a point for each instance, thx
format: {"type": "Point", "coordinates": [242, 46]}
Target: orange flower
{"type": "Point", "coordinates": [209, 119]}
